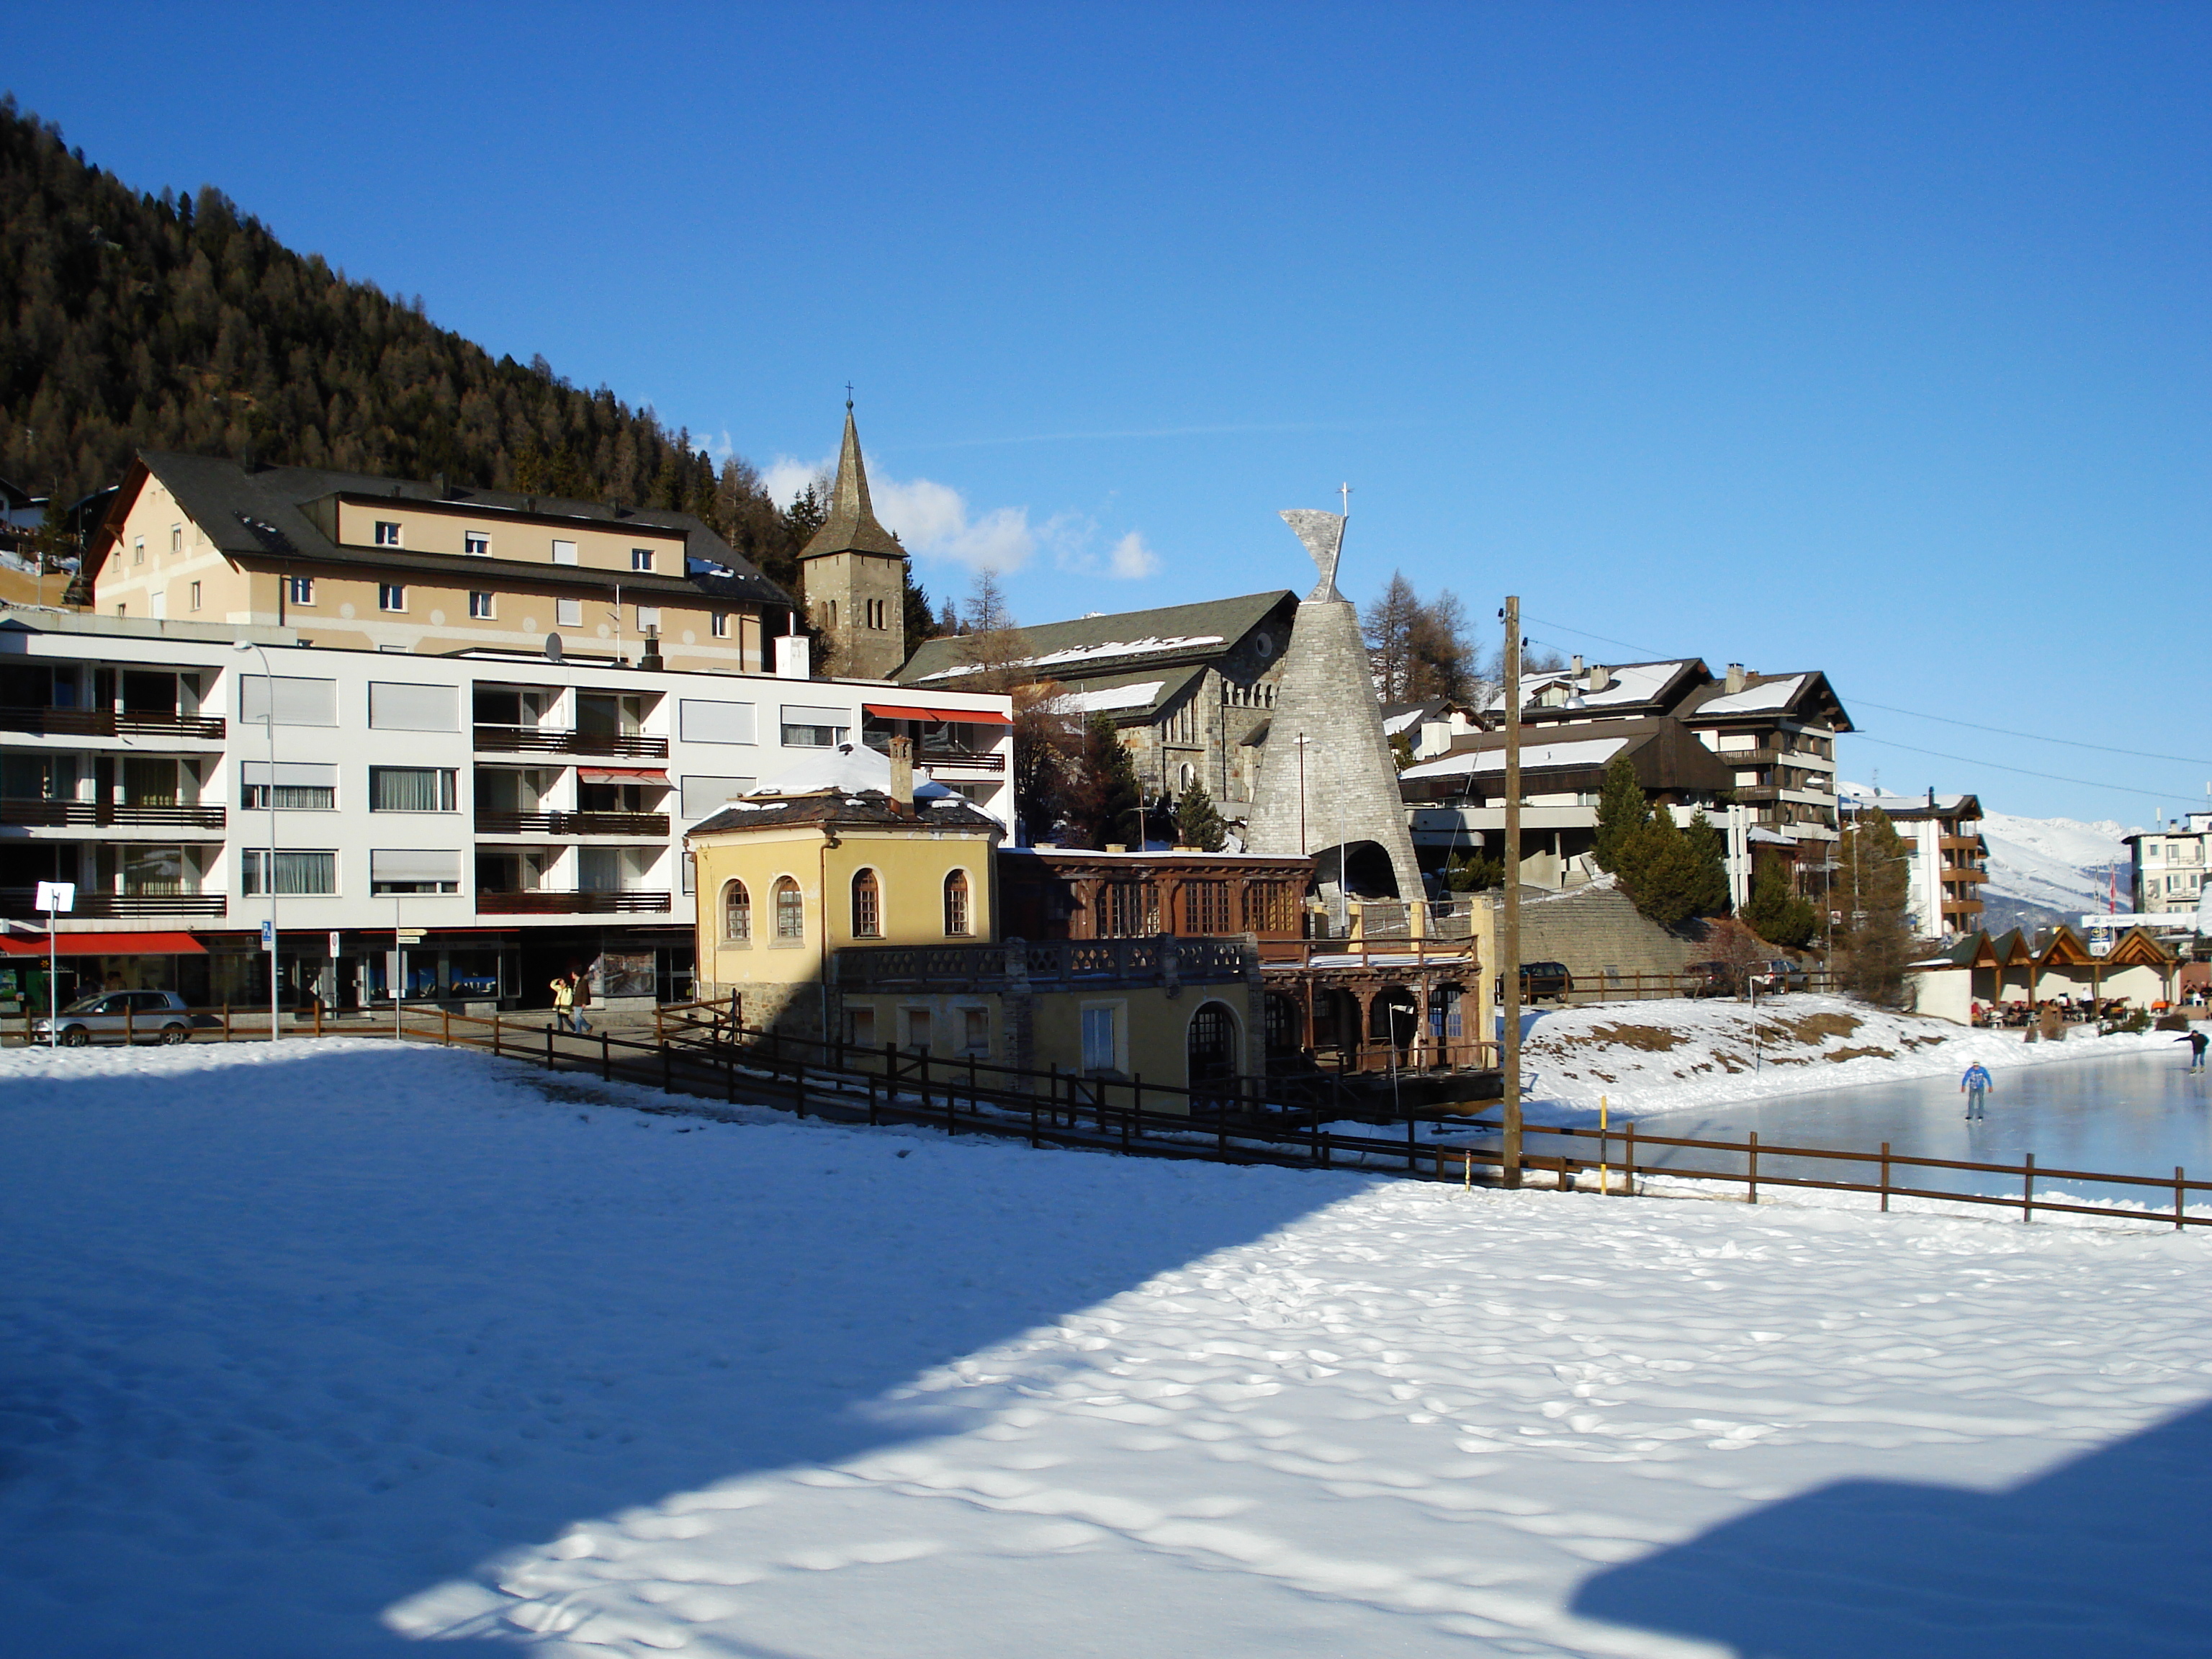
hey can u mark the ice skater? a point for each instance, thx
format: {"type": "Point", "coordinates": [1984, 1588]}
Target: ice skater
{"type": "Point", "coordinates": [1976, 1085]}
{"type": "Point", "coordinates": [2196, 1040]}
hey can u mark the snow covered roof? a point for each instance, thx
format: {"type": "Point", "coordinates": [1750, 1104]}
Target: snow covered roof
{"type": "Point", "coordinates": [1086, 646]}
{"type": "Point", "coordinates": [1763, 698]}
{"type": "Point", "coordinates": [1535, 756]}
{"type": "Point", "coordinates": [1137, 694]}
{"type": "Point", "coordinates": [850, 767]}
{"type": "Point", "coordinates": [1632, 683]}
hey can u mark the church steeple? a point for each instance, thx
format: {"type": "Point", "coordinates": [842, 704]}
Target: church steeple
{"type": "Point", "coordinates": [852, 575]}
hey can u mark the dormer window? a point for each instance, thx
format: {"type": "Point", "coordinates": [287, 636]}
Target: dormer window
{"type": "Point", "coordinates": [387, 533]}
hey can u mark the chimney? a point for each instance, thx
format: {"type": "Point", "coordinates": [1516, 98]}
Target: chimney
{"type": "Point", "coordinates": [1575, 669]}
{"type": "Point", "coordinates": [1601, 677]}
{"type": "Point", "coordinates": [652, 657]}
{"type": "Point", "coordinates": [438, 485]}
{"type": "Point", "coordinates": [1735, 682]}
{"type": "Point", "coordinates": [902, 752]}
{"type": "Point", "coordinates": [792, 654]}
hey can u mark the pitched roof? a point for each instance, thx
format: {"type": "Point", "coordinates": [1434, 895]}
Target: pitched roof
{"type": "Point", "coordinates": [851, 526]}
{"type": "Point", "coordinates": [1127, 698]}
{"type": "Point", "coordinates": [1802, 694]}
{"type": "Point", "coordinates": [1632, 685]}
{"type": "Point", "coordinates": [1088, 647]}
{"type": "Point", "coordinates": [869, 809]}
{"type": "Point", "coordinates": [261, 515]}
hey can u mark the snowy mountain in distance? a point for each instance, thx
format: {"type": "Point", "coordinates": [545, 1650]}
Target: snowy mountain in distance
{"type": "Point", "coordinates": [2046, 870]}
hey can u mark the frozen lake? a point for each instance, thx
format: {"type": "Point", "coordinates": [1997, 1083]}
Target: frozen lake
{"type": "Point", "coordinates": [2125, 1116]}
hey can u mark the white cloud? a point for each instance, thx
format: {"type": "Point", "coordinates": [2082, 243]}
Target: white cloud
{"type": "Point", "coordinates": [935, 521]}
{"type": "Point", "coordinates": [1131, 560]}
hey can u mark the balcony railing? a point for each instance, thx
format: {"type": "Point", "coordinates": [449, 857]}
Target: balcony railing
{"type": "Point", "coordinates": [57, 814]}
{"type": "Point", "coordinates": [20, 902]}
{"type": "Point", "coordinates": [107, 723]}
{"type": "Point", "coordinates": [944, 754]}
{"type": "Point", "coordinates": [1082, 962]}
{"type": "Point", "coordinates": [544, 740]}
{"type": "Point", "coordinates": [543, 902]}
{"type": "Point", "coordinates": [572, 823]}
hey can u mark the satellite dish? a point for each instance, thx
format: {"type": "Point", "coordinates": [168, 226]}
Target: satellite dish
{"type": "Point", "coordinates": [552, 647]}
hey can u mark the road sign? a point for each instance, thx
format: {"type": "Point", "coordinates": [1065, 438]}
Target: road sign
{"type": "Point", "coordinates": [55, 896]}
{"type": "Point", "coordinates": [412, 935]}
{"type": "Point", "coordinates": [267, 934]}
{"type": "Point", "coordinates": [334, 944]}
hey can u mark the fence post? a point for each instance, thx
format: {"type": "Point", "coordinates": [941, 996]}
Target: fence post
{"type": "Point", "coordinates": [2178, 1222]}
{"type": "Point", "coordinates": [1754, 1166]}
{"type": "Point", "coordinates": [1412, 1150]}
{"type": "Point", "coordinates": [798, 1084]}
{"type": "Point", "coordinates": [2027, 1191]}
{"type": "Point", "coordinates": [667, 1075]}
{"type": "Point", "coordinates": [1136, 1106]}
{"type": "Point", "coordinates": [1033, 1119]}
{"type": "Point", "coordinates": [1628, 1162]}
{"type": "Point", "coordinates": [497, 1051]}
{"type": "Point", "coordinates": [1885, 1177]}
{"type": "Point", "coordinates": [319, 1017]}
{"type": "Point", "coordinates": [445, 1024]}
{"type": "Point", "coordinates": [606, 1057]}
{"type": "Point", "coordinates": [226, 1022]}
{"type": "Point", "coordinates": [871, 1099]}
{"type": "Point", "coordinates": [131, 1027]}
{"type": "Point", "coordinates": [549, 1047]}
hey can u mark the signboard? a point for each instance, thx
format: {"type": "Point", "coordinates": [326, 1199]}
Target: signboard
{"type": "Point", "coordinates": [55, 896]}
{"type": "Point", "coordinates": [412, 935]}
{"type": "Point", "coordinates": [267, 934]}
{"type": "Point", "coordinates": [334, 944]}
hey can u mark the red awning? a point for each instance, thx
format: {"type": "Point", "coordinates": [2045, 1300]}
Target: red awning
{"type": "Point", "coordinates": [623, 773]}
{"type": "Point", "coordinates": [912, 711]}
{"type": "Point", "coordinates": [104, 944]}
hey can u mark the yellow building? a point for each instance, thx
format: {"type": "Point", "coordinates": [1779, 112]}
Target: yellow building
{"type": "Point", "coordinates": [840, 902]}
{"type": "Point", "coordinates": [360, 562]}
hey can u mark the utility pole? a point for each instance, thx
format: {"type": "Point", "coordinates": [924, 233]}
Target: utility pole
{"type": "Point", "coordinates": [1509, 965]}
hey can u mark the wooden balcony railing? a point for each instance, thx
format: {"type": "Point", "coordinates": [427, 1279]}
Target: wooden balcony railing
{"type": "Point", "coordinates": [542, 902]}
{"type": "Point", "coordinates": [61, 814]}
{"type": "Point", "coordinates": [107, 723]}
{"type": "Point", "coordinates": [655, 824]}
{"type": "Point", "coordinates": [20, 902]}
{"type": "Point", "coordinates": [543, 740]}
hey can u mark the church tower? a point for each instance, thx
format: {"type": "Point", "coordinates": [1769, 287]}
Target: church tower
{"type": "Point", "coordinates": [851, 576]}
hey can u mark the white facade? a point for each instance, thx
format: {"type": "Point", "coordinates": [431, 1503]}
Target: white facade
{"type": "Point", "coordinates": [2168, 872]}
{"type": "Point", "coordinates": [468, 794]}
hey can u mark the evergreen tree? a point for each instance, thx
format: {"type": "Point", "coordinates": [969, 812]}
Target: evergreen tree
{"type": "Point", "coordinates": [1622, 812]}
{"type": "Point", "coordinates": [920, 621]}
{"type": "Point", "coordinates": [1197, 824]}
{"type": "Point", "coordinates": [1661, 870]}
{"type": "Point", "coordinates": [1773, 911]}
{"type": "Point", "coordinates": [1475, 872]}
{"type": "Point", "coordinates": [1707, 850]}
{"type": "Point", "coordinates": [1870, 889]}
{"type": "Point", "coordinates": [1101, 795]}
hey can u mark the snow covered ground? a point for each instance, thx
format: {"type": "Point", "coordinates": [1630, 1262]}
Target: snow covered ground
{"type": "Point", "coordinates": [1685, 1054]}
{"type": "Point", "coordinates": [333, 1349]}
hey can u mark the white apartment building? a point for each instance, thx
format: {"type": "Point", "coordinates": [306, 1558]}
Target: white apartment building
{"type": "Point", "coordinates": [2167, 874]}
{"type": "Point", "coordinates": [507, 815]}
{"type": "Point", "coordinates": [1947, 859]}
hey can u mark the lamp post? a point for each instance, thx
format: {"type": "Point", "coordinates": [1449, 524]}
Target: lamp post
{"type": "Point", "coordinates": [269, 866]}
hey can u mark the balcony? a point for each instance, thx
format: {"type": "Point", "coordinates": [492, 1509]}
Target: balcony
{"type": "Point", "coordinates": [944, 754]}
{"type": "Point", "coordinates": [20, 902]}
{"type": "Point", "coordinates": [107, 723]}
{"type": "Point", "coordinates": [655, 824]}
{"type": "Point", "coordinates": [541, 901]}
{"type": "Point", "coordinates": [1091, 963]}
{"type": "Point", "coordinates": [101, 814]}
{"type": "Point", "coordinates": [545, 740]}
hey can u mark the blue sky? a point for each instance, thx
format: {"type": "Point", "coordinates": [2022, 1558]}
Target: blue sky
{"type": "Point", "coordinates": [1870, 339]}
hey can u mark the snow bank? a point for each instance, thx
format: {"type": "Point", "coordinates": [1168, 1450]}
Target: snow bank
{"type": "Point", "coordinates": [334, 1349]}
{"type": "Point", "coordinates": [1649, 1058]}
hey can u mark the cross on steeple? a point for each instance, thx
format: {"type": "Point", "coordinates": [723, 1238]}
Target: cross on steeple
{"type": "Point", "coordinates": [1345, 491]}
{"type": "Point", "coordinates": [848, 397]}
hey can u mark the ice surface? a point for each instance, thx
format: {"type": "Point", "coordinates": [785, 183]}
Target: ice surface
{"type": "Point", "coordinates": [332, 1349]}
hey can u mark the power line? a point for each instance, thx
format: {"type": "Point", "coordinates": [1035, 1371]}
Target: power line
{"type": "Point", "coordinates": [1967, 760]}
{"type": "Point", "coordinates": [1947, 719]}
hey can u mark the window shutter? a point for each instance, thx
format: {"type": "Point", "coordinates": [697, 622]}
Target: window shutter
{"type": "Point", "coordinates": [416, 864]}
{"type": "Point", "coordinates": [292, 774]}
{"type": "Point", "coordinates": [715, 722]}
{"type": "Point", "coordinates": [298, 701]}
{"type": "Point", "coordinates": [396, 707]}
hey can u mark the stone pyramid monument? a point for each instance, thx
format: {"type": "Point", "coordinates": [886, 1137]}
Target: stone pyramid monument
{"type": "Point", "coordinates": [1346, 808]}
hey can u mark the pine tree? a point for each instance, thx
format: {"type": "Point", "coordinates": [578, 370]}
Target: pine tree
{"type": "Point", "coordinates": [1622, 812]}
{"type": "Point", "coordinates": [1870, 889]}
{"type": "Point", "coordinates": [1707, 848]}
{"type": "Point", "coordinates": [1102, 797]}
{"type": "Point", "coordinates": [1661, 870]}
{"type": "Point", "coordinates": [920, 621]}
{"type": "Point", "coordinates": [1197, 824]}
{"type": "Point", "coordinates": [1773, 911]}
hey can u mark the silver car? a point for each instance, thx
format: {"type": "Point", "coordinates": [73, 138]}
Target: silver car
{"type": "Point", "coordinates": [126, 1016]}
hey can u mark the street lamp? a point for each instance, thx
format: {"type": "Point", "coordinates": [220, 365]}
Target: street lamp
{"type": "Point", "coordinates": [269, 866]}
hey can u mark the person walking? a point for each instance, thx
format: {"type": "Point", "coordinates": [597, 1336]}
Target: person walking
{"type": "Point", "coordinates": [2196, 1040]}
{"type": "Point", "coordinates": [566, 1017]}
{"type": "Point", "coordinates": [1975, 1086]}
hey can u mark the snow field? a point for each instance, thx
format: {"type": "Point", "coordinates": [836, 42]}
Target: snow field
{"type": "Point", "coordinates": [333, 1350]}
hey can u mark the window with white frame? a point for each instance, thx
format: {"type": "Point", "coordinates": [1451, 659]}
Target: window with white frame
{"type": "Point", "coordinates": [413, 789]}
{"type": "Point", "coordinates": [299, 590]}
{"type": "Point", "coordinates": [568, 613]}
{"type": "Point", "coordinates": [414, 869]}
{"type": "Point", "coordinates": [807, 727]}
{"type": "Point", "coordinates": [137, 551]}
{"type": "Point", "coordinates": [176, 538]}
{"type": "Point", "coordinates": [196, 596]}
{"type": "Point", "coordinates": [298, 873]}
{"type": "Point", "coordinates": [387, 532]}
{"type": "Point", "coordinates": [648, 617]}
{"type": "Point", "coordinates": [564, 552]}
{"type": "Point", "coordinates": [719, 624]}
{"type": "Point", "coordinates": [790, 911]}
{"type": "Point", "coordinates": [300, 786]}
{"type": "Point", "coordinates": [476, 544]}
{"type": "Point", "coordinates": [641, 558]}
{"type": "Point", "coordinates": [391, 596]}
{"type": "Point", "coordinates": [480, 604]}
{"type": "Point", "coordinates": [1099, 1045]}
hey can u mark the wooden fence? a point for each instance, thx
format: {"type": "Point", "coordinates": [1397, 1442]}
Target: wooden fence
{"type": "Point", "coordinates": [700, 1049]}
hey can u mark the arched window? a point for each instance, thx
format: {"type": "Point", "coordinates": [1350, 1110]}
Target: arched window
{"type": "Point", "coordinates": [956, 903]}
{"type": "Point", "coordinates": [790, 911]}
{"type": "Point", "coordinates": [737, 914]}
{"type": "Point", "coordinates": [867, 906]}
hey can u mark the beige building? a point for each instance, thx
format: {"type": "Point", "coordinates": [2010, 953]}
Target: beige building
{"type": "Point", "coordinates": [366, 563]}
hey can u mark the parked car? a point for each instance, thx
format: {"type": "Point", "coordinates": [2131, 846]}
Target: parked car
{"type": "Point", "coordinates": [1711, 979]}
{"type": "Point", "coordinates": [1540, 979]}
{"type": "Point", "coordinates": [126, 1016]}
{"type": "Point", "coordinates": [1778, 977]}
